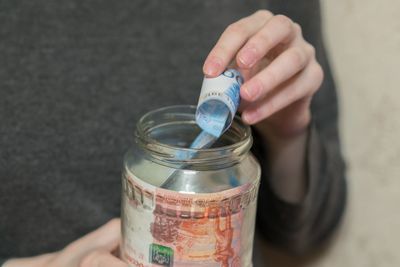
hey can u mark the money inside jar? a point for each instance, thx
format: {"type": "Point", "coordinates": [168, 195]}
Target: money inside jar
{"type": "Point", "coordinates": [190, 184]}
{"type": "Point", "coordinates": [218, 102]}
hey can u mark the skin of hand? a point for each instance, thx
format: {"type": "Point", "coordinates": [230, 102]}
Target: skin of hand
{"type": "Point", "coordinates": [93, 250]}
{"type": "Point", "coordinates": [281, 75]}
{"type": "Point", "coordinates": [279, 67]}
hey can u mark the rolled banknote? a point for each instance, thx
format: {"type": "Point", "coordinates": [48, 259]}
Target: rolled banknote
{"type": "Point", "coordinates": [218, 102]}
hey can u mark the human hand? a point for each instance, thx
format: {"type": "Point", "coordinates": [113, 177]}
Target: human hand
{"type": "Point", "coordinates": [93, 250]}
{"type": "Point", "coordinates": [279, 67]}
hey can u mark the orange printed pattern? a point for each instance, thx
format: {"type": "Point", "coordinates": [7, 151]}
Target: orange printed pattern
{"type": "Point", "coordinates": [201, 229]}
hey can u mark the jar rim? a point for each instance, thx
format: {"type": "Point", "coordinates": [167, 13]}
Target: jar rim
{"type": "Point", "coordinates": [146, 122]}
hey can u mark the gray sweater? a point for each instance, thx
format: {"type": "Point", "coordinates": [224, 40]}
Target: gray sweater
{"type": "Point", "coordinates": [74, 78]}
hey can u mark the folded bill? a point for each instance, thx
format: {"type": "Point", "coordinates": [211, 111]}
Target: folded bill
{"type": "Point", "coordinates": [218, 102]}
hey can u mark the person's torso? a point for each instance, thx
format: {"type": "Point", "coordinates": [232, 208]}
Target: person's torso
{"type": "Point", "coordinates": [74, 78]}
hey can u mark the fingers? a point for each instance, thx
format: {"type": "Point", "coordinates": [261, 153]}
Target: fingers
{"type": "Point", "coordinates": [41, 260]}
{"type": "Point", "coordinates": [285, 66]}
{"type": "Point", "coordinates": [105, 238]}
{"type": "Point", "coordinates": [301, 86]}
{"type": "Point", "coordinates": [278, 30]}
{"type": "Point", "coordinates": [279, 66]}
{"type": "Point", "coordinates": [233, 38]}
{"type": "Point", "coordinates": [101, 259]}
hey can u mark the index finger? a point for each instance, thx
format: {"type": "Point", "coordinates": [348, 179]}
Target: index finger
{"type": "Point", "coordinates": [231, 40]}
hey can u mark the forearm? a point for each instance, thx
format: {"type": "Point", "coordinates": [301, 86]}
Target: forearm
{"type": "Point", "coordinates": [300, 226]}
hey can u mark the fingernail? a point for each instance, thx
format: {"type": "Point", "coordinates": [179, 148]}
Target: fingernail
{"type": "Point", "coordinates": [251, 90]}
{"type": "Point", "coordinates": [212, 67]}
{"type": "Point", "coordinates": [249, 117]}
{"type": "Point", "coordinates": [248, 57]}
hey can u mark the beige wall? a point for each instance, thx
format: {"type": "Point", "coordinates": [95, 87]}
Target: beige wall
{"type": "Point", "coordinates": [363, 39]}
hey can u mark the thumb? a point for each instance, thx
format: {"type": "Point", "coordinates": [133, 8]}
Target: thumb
{"type": "Point", "coordinates": [99, 258]}
{"type": "Point", "coordinates": [105, 238]}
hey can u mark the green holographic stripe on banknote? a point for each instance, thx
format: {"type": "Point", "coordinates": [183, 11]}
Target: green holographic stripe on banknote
{"type": "Point", "coordinates": [161, 255]}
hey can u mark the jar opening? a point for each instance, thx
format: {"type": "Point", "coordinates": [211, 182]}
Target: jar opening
{"type": "Point", "coordinates": [167, 133]}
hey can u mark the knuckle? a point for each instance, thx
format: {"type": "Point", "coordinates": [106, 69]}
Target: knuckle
{"type": "Point", "coordinates": [297, 57]}
{"type": "Point", "coordinates": [285, 22]}
{"type": "Point", "coordinates": [319, 73]}
{"type": "Point", "coordinates": [310, 50]}
{"type": "Point", "coordinates": [297, 28]}
{"type": "Point", "coordinates": [236, 28]}
{"type": "Point", "coordinates": [264, 13]}
{"type": "Point", "coordinates": [263, 38]}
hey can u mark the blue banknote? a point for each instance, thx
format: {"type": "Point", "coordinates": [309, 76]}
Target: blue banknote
{"type": "Point", "coordinates": [218, 102]}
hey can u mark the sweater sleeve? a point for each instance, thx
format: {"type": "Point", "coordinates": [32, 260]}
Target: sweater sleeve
{"type": "Point", "coordinates": [302, 226]}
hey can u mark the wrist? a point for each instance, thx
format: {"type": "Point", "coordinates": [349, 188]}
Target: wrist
{"type": "Point", "coordinates": [287, 164]}
{"type": "Point", "coordinates": [279, 140]}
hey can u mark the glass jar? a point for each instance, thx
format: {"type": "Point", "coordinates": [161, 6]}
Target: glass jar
{"type": "Point", "coordinates": [206, 216]}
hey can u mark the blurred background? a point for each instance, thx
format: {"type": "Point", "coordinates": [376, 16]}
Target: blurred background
{"type": "Point", "coordinates": [363, 40]}
{"type": "Point", "coordinates": [363, 37]}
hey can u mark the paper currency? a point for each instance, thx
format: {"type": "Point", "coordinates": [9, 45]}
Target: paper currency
{"type": "Point", "coordinates": [166, 228]}
{"type": "Point", "coordinates": [218, 102]}
{"type": "Point", "coordinates": [163, 226]}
